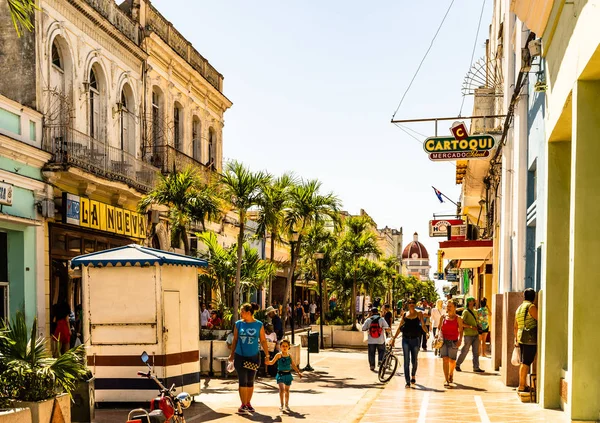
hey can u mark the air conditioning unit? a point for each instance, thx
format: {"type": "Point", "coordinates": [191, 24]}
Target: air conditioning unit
{"type": "Point", "coordinates": [154, 216]}
{"type": "Point", "coordinates": [525, 60]}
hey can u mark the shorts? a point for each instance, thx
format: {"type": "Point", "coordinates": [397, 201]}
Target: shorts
{"type": "Point", "coordinates": [245, 376]}
{"type": "Point", "coordinates": [528, 353]}
{"type": "Point", "coordinates": [484, 331]}
{"type": "Point", "coordinates": [286, 379]}
{"type": "Point", "coordinates": [449, 349]}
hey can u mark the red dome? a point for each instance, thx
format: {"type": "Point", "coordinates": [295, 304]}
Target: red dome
{"type": "Point", "coordinates": [415, 250]}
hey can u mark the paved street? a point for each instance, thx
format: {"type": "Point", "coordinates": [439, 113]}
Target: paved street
{"type": "Point", "coordinates": [342, 389]}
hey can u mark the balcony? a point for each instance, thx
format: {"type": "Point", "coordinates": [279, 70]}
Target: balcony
{"type": "Point", "coordinates": [170, 160]}
{"type": "Point", "coordinates": [165, 30]}
{"type": "Point", "coordinates": [73, 148]}
{"type": "Point", "coordinates": [117, 18]}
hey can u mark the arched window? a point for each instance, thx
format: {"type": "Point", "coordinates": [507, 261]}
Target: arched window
{"type": "Point", "coordinates": [94, 106]}
{"type": "Point", "coordinates": [196, 140]}
{"type": "Point", "coordinates": [211, 148]}
{"type": "Point", "coordinates": [127, 120]}
{"type": "Point", "coordinates": [157, 120]}
{"type": "Point", "coordinates": [177, 126]}
{"type": "Point", "coordinates": [56, 59]}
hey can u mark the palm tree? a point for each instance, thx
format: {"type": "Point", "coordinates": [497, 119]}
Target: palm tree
{"type": "Point", "coordinates": [390, 265]}
{"type": "Point", "coordinates": [272, 202]}
{"type": "Point", "coordinates": [220, 273]}
{"type": "Point", "coordinates": [187, 198]}
{"type": "Point", "coordinates": [370, 275]}
{"type": "Point", "coordinates": [21, 12]}
{"type": "Point", "coordinates": [241, 188]}
{"type": "Point", "coordinates": [306, 207]}
{"type": "Point", "coordinates": [358, 241]}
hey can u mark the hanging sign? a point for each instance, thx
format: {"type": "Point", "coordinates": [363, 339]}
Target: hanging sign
{"type": "Point", "coordinates": [459, 146]}
{"type": "Point", "coordinates": [6, 194]}
{"type": "Point", "coordinates": [440, 227]}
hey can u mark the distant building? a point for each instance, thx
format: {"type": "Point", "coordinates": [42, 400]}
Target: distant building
{"type": "Point", "coordinates": [415, 260]}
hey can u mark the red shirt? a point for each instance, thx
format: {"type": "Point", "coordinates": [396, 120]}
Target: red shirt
{"type": "Point", "coordinates": [450, 329]}
{"type": "Point", "coordinates": [63, 332]}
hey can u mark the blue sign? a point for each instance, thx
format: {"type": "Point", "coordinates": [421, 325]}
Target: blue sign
{"type": "Point", "coordinates": [71, 207]}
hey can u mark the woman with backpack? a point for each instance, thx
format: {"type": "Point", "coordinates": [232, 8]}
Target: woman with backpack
{"type": "Point", "coordinates": [412, 327]}
{"type": "Point", "coordinates": [375, 325]}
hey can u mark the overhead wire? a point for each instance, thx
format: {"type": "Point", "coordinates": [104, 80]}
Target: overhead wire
{"type": "Point", "coordinates": [423, 59]}
{"type": "Point", "coordinates": [401, 127]}
{"type": "Point", "coordinates": [473, 52]}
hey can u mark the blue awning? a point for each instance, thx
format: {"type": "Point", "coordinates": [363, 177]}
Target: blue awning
{"type": "Point", "coordinates": [135, 254]}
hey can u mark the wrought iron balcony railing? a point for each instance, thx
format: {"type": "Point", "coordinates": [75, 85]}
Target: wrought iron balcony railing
{"type": "Point", "coordinates": [170, 160]}
{"type": "Point", "coordinates": [71, 147]}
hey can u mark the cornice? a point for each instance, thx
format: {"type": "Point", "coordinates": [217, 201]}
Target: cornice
{"type": "Point", "coordinates": [24, 153]}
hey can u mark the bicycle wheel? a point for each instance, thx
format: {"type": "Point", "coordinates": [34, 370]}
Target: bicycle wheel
{"type": "Point", "coordinates": [387, 370]}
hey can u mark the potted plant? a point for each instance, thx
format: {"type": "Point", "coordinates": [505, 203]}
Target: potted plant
{"type": "Point", "coordinates": [31, 378]}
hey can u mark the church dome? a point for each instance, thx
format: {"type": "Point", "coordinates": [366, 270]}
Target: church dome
{"type": "Point", "coordinates": [415, 250]}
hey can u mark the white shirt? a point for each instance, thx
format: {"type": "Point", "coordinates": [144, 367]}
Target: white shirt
{"type": "Point", "coordinates": [436, 315]}
{"type": "Point", "coordinates": [204, 316]}
{"type": "Point", "coordinates": [382, 323]}
{"type": "Point", "coordinates": [313, 308]}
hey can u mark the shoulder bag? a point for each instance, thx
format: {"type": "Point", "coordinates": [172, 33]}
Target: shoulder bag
{"type": "Point", "coordinates": [479, 328]}
{"type": "Point", "coordinates": [528, 335]}
{"type": "Point", "coordinates": [439, 339]}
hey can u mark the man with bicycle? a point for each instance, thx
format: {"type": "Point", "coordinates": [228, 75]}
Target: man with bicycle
{"type": "Point", "coordinates": [376, 327]}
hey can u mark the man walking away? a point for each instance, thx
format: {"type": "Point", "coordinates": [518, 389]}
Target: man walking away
{"type": "Point", "coordinates": [276, 321]}
{"type": "Point", "coordinates": [471, 336]}
{"type": "Point", "coordinates": [375, 326]}
{"type": "Point", "coordinates": [389, 317]}
{"type": "Point", "coordinates": [526, 335]}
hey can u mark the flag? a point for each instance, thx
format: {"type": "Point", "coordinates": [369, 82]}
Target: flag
{"type": "Point", "coordinates": [439, 194]}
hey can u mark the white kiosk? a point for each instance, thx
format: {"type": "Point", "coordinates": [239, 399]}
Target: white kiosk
{"type": "Point", "coordinates": [139, 299]}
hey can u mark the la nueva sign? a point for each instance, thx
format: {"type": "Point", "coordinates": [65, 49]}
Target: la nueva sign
{"type": "Point", "coordinates": [460, 146]}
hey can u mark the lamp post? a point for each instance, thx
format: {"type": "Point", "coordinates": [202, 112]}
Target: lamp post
{"type": "Point", "coordinates": [293, 240]}
{"type": "Point", "coordinates": [319, 258]}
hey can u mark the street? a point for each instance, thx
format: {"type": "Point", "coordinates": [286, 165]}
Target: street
{"type": "Point", "coordinates": [343, 389]}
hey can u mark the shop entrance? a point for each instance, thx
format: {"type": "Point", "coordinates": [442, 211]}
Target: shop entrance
{"type": "Point", "coordinates": [65, 283]}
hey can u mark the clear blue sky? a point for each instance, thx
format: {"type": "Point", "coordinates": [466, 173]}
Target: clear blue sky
{"type": "Point", "coordinates": [314, 85]}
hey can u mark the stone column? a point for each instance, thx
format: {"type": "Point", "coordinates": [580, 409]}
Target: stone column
{"type": "Point", "coordinates": [554, 304]}
{"type": "Point", "coordinates": [508, 372]}
{"type": "Point", "coordinates": [584, 273]}
{"type": "Point", "coordinates": [496, 328]}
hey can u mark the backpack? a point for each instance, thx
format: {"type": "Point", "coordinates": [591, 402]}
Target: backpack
{"type": "Point", "coordinates": [375, 328]}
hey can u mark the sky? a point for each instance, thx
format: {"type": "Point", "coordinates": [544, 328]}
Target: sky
{"type": "Point", "coordinates": [314, 85]}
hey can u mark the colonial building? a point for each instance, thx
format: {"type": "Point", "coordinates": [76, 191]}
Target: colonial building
{"type": "Point", "coordinates": [415, 259]}
{"type": "Point", "coordinates": [122, 96]}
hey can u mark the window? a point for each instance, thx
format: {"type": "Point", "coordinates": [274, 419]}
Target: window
{"type": "Point", "coordinates": [211, 147]}
{"type": "Point", "coordinates": [156, 120]}
{"type": "Point", "coordinates": [177, 130]}
{"type": "Point", "coordinates": [196, 140]}
{"type": "Point", "coordinates": [56, 59]}
{"type": "Point", "coordinates": [127, 122]}
{"type": "Point", "coordinates": [94, 95]}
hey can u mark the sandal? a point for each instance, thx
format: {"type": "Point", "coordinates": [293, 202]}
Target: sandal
{"type": "Point", "coordinates": [526, 389]}
{"type": "Point", "coordinates": [446, 384]}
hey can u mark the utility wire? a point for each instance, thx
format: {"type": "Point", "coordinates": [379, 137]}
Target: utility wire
{"type": "Point", "coordinates": [473, 52]}
{"type": "Point", "coordinates": [417, 139]}
{"type": "Point", "coordinates": [423, 60]}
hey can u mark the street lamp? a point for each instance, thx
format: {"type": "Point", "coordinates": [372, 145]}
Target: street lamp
{"type": "Point", "coordinates": [293, 240]}
{"type": "Point", "coordinates": [319, 258]}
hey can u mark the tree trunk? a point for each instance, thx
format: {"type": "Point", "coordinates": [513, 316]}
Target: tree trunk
{"type": "Point", "coordinates": [272, 258]}
{"type": "Point", "coordinates": [238, 270]}
{"type": "Point", "coordinates": [353, 300]}
{"type": "Point", "coordinates": [288, 283]}
{"type": "Point", "coordinates": [186, 243]}
{"type": "Point", "coordinates": [325, 294]}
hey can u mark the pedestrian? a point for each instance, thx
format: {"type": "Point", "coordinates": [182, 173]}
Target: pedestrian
{"type": "Point", "coordinates": [436, 315]}
{"type": "Point", "coordinates": [412, 326]}
{"type": "Point", "coordinates": [306, 315]}
{"type": "Point", "coordinates": [471, 336]}
{"type": "Point", "coordinates": [387, 315]}
{"type": "Point", "coordinates": [299, 314]}
{"type": "Point", "coordinates": [273, 348]}
{"type": "Point", "coordinates": [62, 332]}
{"type": "Point", "coordinates": [276, 321]}
{"type": "Point", "coordinates": [215, 321]}
{"type": "Point", "coordinates": [399, 307]}
{"type": "Point", "coordinates": [451, 328]}
{"type": "Point", "coordinates": [375, 326]}
{"type": "Point", "coordinates": [525, 330]}
{"type": "Point", "coordinates": [427, 321]}
{"type": "Point", "coordinates": [484, 314]}
{"type": "Point", "coordinates": [289, 316]}
{"type": "Point", "coordinates": [284, 377]}
{"type": "Point", "coordinates": [332, 303]}
{"type": "Point", "coordinates": [313, 312]}
{"type": "Point", "coordinates": [377, 302]}
{"type": "Point", "coordinates": [248, 333]}
{"type": "Point", "coordinates": [204, 316]}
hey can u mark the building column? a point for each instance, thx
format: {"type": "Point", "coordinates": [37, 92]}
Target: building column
{"type": "Point", "coordinates": [554, 302]}
{"type": "Point", "coordinates": [584, 289]}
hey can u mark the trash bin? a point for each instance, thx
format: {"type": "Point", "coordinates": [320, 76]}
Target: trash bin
{"type": "Point", "coordinates": [84, 402]}
{"type": "Point", "coordinates": [313, 342]}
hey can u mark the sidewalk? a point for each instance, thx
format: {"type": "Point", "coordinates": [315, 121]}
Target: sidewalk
{"type": "Point", "coordinates": [475, 398]}
{"type": "Point", "coordinates": [340, 389]}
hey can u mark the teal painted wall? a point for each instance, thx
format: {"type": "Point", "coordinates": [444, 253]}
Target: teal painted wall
{"type": "Point", "coordinates": [19, 168]}
{"type": "Point", "coordinates": [23, 204]}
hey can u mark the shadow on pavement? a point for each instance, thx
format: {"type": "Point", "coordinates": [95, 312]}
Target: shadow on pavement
{"type": "Point", "coordinates": [257, 417]}
{"type": "Point", "coordinates": [471, 388]}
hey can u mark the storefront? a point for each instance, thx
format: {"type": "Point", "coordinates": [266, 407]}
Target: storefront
{"type": "Point", "coordinates": [87, 226]}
